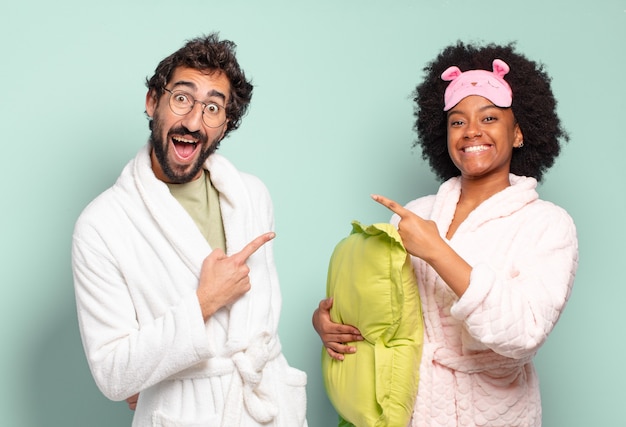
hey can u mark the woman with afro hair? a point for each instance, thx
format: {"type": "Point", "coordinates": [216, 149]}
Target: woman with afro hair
{"type": "Point", "coordinates": [494, 263]}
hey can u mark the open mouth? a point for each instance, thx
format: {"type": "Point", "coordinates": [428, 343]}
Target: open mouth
{"type": "Point", "coordinates": [184, 147]}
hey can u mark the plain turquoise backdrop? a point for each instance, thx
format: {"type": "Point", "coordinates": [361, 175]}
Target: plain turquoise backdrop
{"type": "Point", "coordinates": [330, 123]}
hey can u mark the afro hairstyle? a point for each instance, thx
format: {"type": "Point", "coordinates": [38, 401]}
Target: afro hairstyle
{"type": "Point", "coordinates": [534, 108]}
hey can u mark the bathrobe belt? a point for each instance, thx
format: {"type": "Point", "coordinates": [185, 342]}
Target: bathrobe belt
{"type": "Point", "coordinates": [472, 363]}
{"type": "Point", "coordinates": [250, 387]}
{"type": "Point", "coordinates": [463, 366]}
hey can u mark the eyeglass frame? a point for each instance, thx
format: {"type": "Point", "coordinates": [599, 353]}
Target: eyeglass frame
{"type": "Point", "coordinates": [193, 104]}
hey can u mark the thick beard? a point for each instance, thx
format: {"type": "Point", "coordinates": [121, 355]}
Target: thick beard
{"type": "Point", "coordinates": [161, 149]}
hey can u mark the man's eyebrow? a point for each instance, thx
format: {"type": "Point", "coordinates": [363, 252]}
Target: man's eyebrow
{"type": "Point", "coordinates": [192, 86]}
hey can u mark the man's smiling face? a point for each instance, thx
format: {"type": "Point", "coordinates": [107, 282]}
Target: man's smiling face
{"type": "Point", "coordinates": [181, 144]}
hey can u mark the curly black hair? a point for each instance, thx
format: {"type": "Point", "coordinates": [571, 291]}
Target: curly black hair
{"type": "Point", "coordinates": [208, 53]}
{"type": "Point", "coordinates": [534, 108]}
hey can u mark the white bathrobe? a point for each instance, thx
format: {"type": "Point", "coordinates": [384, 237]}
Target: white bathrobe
{"type": "Point", "coordinates": [136, 258]}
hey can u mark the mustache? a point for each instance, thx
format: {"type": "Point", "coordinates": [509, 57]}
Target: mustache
{"type": "Point", "coordinates": [183, 131]}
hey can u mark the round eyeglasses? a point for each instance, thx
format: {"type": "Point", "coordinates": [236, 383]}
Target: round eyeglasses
{"type": "Point", "coordinates": [181, 103]}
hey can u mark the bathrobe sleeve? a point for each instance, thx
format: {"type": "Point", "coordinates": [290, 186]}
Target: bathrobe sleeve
{"type": "Point", "coordinates": [520, 286]}
{"type": "Point", "coordinates": [124, 358]}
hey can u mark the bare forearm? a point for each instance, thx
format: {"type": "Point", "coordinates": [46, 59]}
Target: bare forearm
{"type": "Point", "coordinates": [453, 269]}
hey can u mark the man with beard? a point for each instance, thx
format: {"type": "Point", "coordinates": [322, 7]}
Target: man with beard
{"type": "Point", "coordinates": [177, 293]}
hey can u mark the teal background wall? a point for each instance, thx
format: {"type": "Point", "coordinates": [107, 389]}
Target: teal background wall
{"type": "Point", "coordinates": [330, 123]}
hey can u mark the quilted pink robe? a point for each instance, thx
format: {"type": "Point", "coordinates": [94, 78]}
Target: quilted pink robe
{"type": "Point", "coordinates": [477, 366]}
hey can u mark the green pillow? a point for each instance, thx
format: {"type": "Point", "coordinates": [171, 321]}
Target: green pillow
{"type": "Point", "coordinates": [371, 279]}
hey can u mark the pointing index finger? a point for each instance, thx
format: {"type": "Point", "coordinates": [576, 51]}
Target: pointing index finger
{"type": "Point", "coordinates": [391, 205]}
{"type": "Point", "coordinates": [254, 245]}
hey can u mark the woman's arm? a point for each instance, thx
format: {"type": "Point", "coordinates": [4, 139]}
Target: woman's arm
{"type": "Point", "coordinates": [334, 335]}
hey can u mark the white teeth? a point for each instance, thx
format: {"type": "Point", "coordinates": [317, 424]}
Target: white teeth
{"type": "Point", "coordinates": [187, 141]}
{"type": "Point", "coordinates": [475, 148]}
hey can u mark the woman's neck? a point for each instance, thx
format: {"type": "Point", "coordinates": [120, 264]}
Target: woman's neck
{"type": "Point", "coordinates": [473, 193]}
{"type": "Point", "coordinates": [476, 191]}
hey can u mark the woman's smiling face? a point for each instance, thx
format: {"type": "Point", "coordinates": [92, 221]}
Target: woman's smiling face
{"type": "Point", "coordinates": [481, 138]}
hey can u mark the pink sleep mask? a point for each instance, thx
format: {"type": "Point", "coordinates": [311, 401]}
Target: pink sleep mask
{"type": "Point", "coordinates": [487, 84]}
